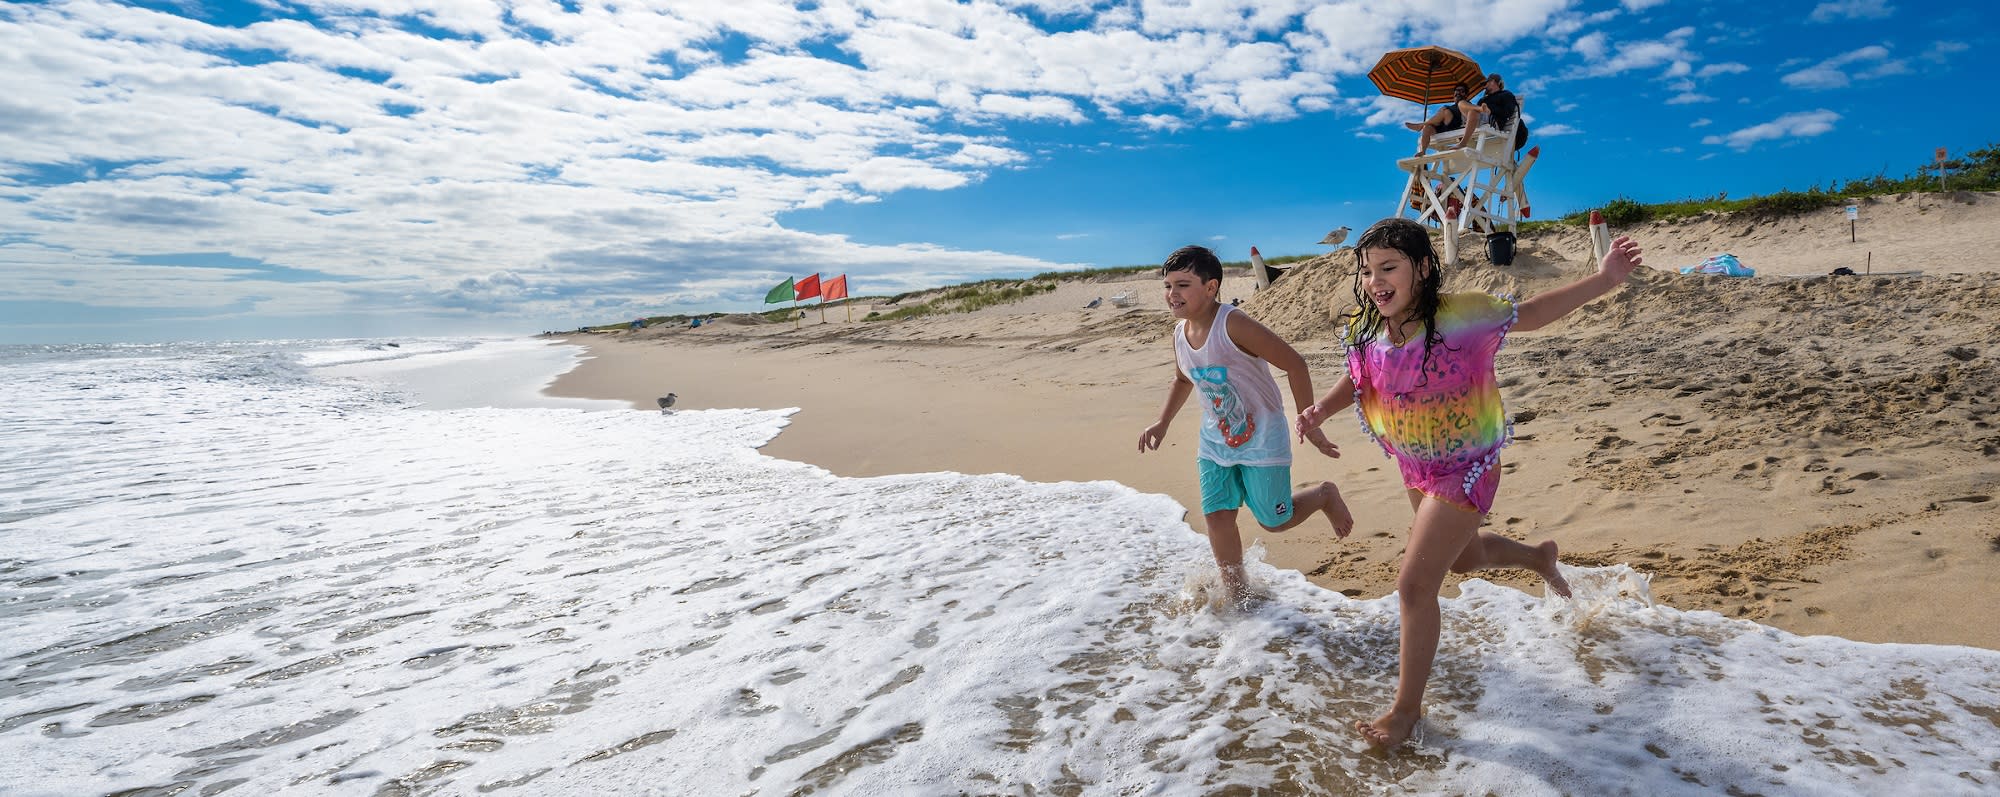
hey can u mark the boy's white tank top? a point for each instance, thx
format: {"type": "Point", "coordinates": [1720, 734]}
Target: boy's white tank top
{"type": "Point", "coordinates": [1243, 418]}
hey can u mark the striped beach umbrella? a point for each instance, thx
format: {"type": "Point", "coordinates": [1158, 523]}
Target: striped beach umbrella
{"type": "Point", "coordinates": [1425, 74]}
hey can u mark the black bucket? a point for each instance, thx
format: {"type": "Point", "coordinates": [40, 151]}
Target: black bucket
{"type": "Point", "coordinates": [1500, 248]}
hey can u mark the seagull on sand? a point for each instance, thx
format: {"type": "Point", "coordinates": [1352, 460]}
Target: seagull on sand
{"type": "Point", "coordinates": [667, 403]}
{"type": "Point", "coordinates": [1334, 238]}
{"type": "Point", "coordinates": [1094, 303]}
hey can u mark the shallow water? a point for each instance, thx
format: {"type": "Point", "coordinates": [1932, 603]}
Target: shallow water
{"type": "Point", "coordinates": [234, 569]}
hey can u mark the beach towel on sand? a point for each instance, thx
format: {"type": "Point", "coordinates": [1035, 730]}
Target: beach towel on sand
{"type": "Point", "coordinates": [1725, 264]}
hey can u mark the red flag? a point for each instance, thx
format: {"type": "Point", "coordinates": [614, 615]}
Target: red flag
{"type": "Point", "coordinates": [835, 288]}
{"type": "Point", "coordinates": [808, 287]}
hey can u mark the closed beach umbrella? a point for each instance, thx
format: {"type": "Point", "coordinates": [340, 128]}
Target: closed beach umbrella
{"type": "Point", "coordinates": [1425, 74]}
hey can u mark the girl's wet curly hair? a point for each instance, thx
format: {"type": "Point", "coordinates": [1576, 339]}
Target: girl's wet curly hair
{"type": "Point", "coordinates": [1411, 239]}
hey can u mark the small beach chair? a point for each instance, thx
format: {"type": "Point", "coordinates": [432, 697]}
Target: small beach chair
{"type": "Point", "coordinates": [1123, 300]}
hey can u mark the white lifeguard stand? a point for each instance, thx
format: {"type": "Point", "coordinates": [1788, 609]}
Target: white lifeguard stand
{"type": "Point", "coordinates": [1472, 188]}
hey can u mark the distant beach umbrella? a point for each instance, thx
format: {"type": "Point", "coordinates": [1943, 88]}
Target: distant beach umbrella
{"type": "Point", "coordinates": [1425, 74]}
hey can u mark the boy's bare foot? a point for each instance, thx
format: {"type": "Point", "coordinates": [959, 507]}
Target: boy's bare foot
{"type": "Point", "coordinates": [1389, 730]}
{"type": "Point", "coordinates": [1548, 569]}
{"type": "Point", "coordinates": [1336, 510]}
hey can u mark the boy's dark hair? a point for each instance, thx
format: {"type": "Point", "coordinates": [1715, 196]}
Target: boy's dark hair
{"type": "Point", "coordinates": [1197, 259]}
{"type": "Point", "coordinates": [1411, 239]}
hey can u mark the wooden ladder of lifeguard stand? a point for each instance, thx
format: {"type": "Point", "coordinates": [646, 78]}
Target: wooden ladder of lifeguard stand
{"type": "Point", "coordinates": [1474, 188]}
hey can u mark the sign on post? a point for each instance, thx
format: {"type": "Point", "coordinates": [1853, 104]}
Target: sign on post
{"type": "Point", "coordinates": [1853, 212]}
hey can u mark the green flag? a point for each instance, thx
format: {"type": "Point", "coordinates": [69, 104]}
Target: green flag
{"type": "Point", "coordinates": [782, 293]}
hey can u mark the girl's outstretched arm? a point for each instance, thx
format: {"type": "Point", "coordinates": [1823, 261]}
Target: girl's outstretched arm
{"type": "Point", "coordinates": [1546, 308]}
{"type": "Point", "coordinates": [1335, 400]}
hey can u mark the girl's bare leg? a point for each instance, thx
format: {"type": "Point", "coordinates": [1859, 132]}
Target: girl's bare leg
{"type": "Point", "coordinates": [1491, 550]}
{"type": "Point", "coordinates": [1439, 535]}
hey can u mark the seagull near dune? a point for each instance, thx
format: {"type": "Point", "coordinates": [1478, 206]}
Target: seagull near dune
{"type": "Point", "coordinates": [667, 402]}
{"type": "Point", "coordinates": [1334, 238]}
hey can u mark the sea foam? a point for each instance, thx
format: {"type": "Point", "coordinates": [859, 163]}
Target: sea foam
{"type": "Point", "coordinates": [225, 570]}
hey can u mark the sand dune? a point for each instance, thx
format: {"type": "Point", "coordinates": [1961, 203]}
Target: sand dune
{"type": "Point", "coordinates": [1817, 453]}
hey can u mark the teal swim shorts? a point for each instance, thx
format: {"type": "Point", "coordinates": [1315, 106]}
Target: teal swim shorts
{"type": "Point", "coordinates": [1266, 488]}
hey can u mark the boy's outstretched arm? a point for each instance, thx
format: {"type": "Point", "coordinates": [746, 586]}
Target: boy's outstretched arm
{"type": "Point", "coordinates": [1259, 341]}
{"type": "Point", "coordinates": [1617, 265]}
{"type": "Point", "coordinates": [1177, 394]}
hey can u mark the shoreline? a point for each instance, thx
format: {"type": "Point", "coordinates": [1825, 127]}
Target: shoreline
{"type": "Point", "coordinates": [879, 408]}
{"type": "Point", "coordinates": [1817, 454]}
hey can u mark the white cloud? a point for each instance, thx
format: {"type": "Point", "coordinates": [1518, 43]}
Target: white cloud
{"type": "Point", "coordinates": [1702, 122]}
{"type": "Point", "coordinates": [1833, 73]}
{"type": "Point", "coordinates": [1640, 5]}
{"type": "Point", "coordinates": [1038, 107]}
{"type": "Point", "coordinates": [1725, 68]}
{"type": "Point", "coordinates": [1593, 46]}
{"type": "Point", "coordinates": [1556, 129]}
{"type": "Point", "coordinates": [1603, 58]}
{"type": "Point", "coordinates": [553, 161]}
{"type": "Point", "coordinates": [1805, 124]}
{"type": "Point", "coordinates": [1939, 51]}
{"type": "Point", "coordinates": [1835, 10]}
{"type": "Point", "coordinates": [1689, 98]}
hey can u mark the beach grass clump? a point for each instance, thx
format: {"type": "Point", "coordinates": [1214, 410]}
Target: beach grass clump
{"type": "Point", "coordinates": [1090, 273]}
{"type": "Point", "coordinates": [965, 298]}
{"type": "Point", "coordinates": [1978, 170]}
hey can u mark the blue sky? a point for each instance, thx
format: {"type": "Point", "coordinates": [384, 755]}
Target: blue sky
{"type": "Point", "coordinates": [271, 169]}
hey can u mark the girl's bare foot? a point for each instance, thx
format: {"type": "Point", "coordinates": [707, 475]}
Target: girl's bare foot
{"type": "Point", "coordinates": [1336, 510]}
{"type": "Point", "coordinates": [1548, 569]}
{"type": "Point", "coordinates": [1389, 730]}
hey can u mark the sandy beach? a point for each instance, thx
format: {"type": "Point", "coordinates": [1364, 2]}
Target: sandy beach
{"type": "Point", "coordinates": [1814, 453]}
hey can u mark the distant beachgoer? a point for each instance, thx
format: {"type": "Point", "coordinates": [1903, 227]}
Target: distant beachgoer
{"type": "Point", "coordinates": [1460, 113]}
{"type": "Point", "coordinates": [1245, 452]}
{"type": "Point", "coordinates": [1420, 373]}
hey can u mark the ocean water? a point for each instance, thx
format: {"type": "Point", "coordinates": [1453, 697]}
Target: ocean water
{"type": "Point", "coordinates": [320, 568]}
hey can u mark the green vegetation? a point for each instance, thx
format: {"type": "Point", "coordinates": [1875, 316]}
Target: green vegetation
{"type": "Point", "coordinates": [1087, 273]}
{"type": "Point", "coordinates": [1979, 170]}
{"type": "Point", "coordinates": [965, 298]}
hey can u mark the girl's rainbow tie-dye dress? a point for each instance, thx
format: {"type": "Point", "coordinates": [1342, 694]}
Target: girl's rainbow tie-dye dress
{"type": "Point", "coordinates": [1444, 423]}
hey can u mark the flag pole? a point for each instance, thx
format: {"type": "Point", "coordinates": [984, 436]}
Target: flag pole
{"type": "Point", "coordinates": [822, 308]}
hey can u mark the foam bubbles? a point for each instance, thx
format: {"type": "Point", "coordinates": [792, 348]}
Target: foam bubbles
{"type": "Point", "coordinates": [259, 579]}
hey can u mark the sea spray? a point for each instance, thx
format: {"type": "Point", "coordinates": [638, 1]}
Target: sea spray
{"type": "Point", "coordinates": [227, 571]}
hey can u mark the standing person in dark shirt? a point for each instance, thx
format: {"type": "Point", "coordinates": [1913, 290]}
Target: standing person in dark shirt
{"type": "Point", "coordinates": [1500, 106]}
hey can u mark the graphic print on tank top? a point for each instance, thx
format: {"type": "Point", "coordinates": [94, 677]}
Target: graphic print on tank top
{"type": "Point", "coordinates": [1232, 417]}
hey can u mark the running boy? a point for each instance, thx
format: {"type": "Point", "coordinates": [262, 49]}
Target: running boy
{"type": "Point", "coordinates": [1246, 447]}
{"type": "Point", "coordinates": [1420, 374]}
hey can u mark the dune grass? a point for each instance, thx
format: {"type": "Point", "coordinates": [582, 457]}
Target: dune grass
{"type": "Point", "coordinates": [964, 298]}
{"type": "Point", "coordinates": [1978, 170]}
